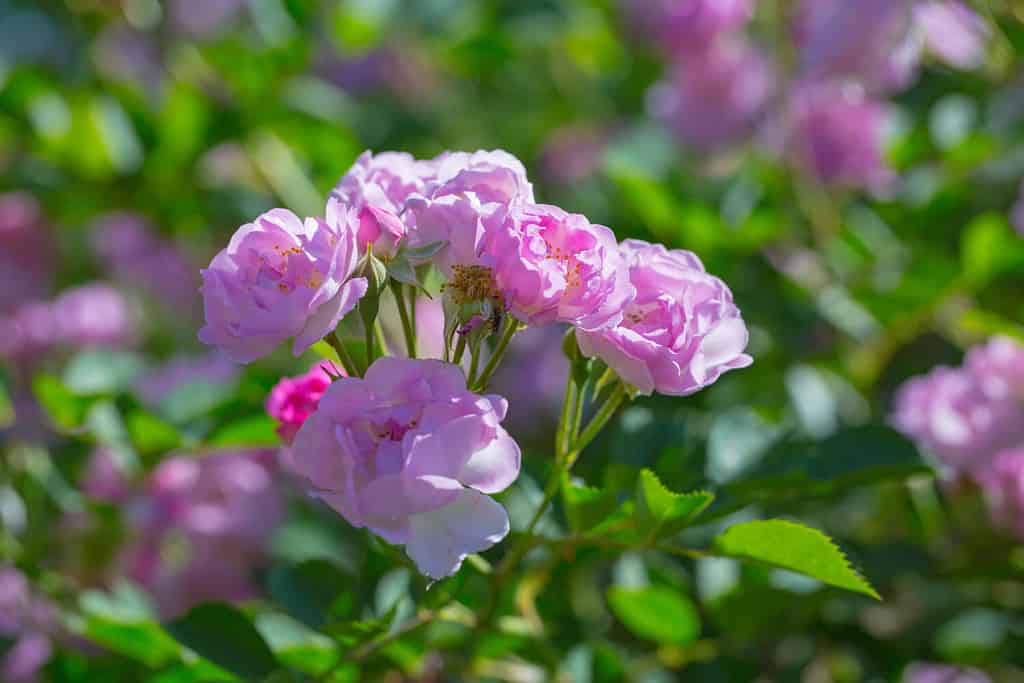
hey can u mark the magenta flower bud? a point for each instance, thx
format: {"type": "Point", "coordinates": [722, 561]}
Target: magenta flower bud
{"type": "Point", "coordinates": [953, 32]}
{"type": "Point", "coordinates": [549, 265]}
{"type": "Point", "coordinates": [411, 454]}
{"type": "Point", "coordinates": [281, 278]}
{"type": "Point", "coordinates": [927, 672]}
{"type": "Point", "coordinates": [380, 228]}
{"type": "Point", "coordinates": [949, 413]}
{"type": "Point", "coordinates": [837, 133]}
{"type": "Point", "coordinates": [679, 333]}
{"type": "Point", "coordinates": [715, 97]}
{"type": "Point", "coordinates": [294, 399]}
{"type": "Point", "coordinates": [94, 315]}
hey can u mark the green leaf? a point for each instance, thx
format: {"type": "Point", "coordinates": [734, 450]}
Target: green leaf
{"type": "Point", "coordinates": [797, 469]}
{"type": "Point", "coordinates": [151, 435]}
{"type": "Point", "coordinates": [122, 621]}
{"type": "Point", "coordinates": [795, 547]}
{"type": "Point", "coordinates": [226, 637]}
{"type": "Point", "coordinates": [586, 507]}
{"type": "Point", "coordinates": [990, 248]}
{"type": "Point", "coordinates": [425, 251]}
{"type": "Point", "coordinates": [257, 430]}
{"type": "Point", "coordinates": [307, 591]}
{"type": "Point", "coordinates": [660, 512]}
{"type": "Point", "coordinates": [65, 409]}
{"type": "Point", "coordinates": [401, 270]}
{"type": "Point", "coordinates": [7, 415]}
{"type": "Point", "coordinates": [656, 613]}
{"type": "Point", "coordinates": [143, 641]}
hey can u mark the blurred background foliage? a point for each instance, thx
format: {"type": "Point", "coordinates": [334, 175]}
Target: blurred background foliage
{"type": "Point", "coordinates": [188, 117]}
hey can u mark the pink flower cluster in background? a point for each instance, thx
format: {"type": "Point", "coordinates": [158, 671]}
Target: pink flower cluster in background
{"type": "Point", "coordinates": [408, 450]}
{"type": "Point", "coordinates": [971, 418]}
{"type": "Point", "coordinates": [201, 528]}
{"type": "Point", "coordinates": [128, 246]}
{"type": "Point", "coordinates": [831, 118]}
{"type": "Point", "coordinates": [95, 314]}
{"type": "Point", "coordinates": [28, 620]}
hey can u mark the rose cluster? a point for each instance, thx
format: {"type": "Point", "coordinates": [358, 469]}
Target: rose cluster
{"type": "Point", "coordinates": [410, 447]}
{"type": "Point", "coordinates": [971, 418]}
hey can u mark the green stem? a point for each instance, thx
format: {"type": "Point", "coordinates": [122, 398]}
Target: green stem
{"type": "Point", "coordinates": [474, 362]}
{"type": "Point", "coordinates": [382, 343]}
{"type": "Point", "coordinates": [511, 327]}
{"type": "Point", "coordinates": [364, 651]}
{"type": "Point", "coordinates": [562, 437]}
{"type": "Point", "coordinates": [370, 346]}
{"type": "Point", "coordinates": [346, 360]}
{"type": "Point", "coordinates": [597, 423]}
{"type": "Point", "coordinates": [408, 326]}
{"type": "Point", "coordinates": [460, 348]}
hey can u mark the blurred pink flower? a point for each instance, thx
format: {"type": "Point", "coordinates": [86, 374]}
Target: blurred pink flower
{"type": "Point", "coordinates": [927, 672]}
{"type": "Point", "coordinates": [1003, 484]}
{"type": "Point", "coordinates": [95, 314]}
{"type": "Point", "coordinates": [280, 277]}
{"type": "Point", "coordinates": [202, 527]}
{"type": "Point", "coordinates": [154, 385]}
{"type": "Point", "coordinates": [1017, 212]}
{"type": "Point", "coordinates": [687, 25]}
{"type": "Point", "coordinates": [104, 479]}
{"type": "Point", "coordinates": [836, 132]}
{"type": "Point", "coordinates": [952, 413]}
{"type": "Point", "coordinates": [127, 244]}
{"type": "Point", "coordinates": [953, 32]}
{"type": "Point", "coordinates": [29, 621]}
{"type": "Point", "coordinates": [680, 332]}
{"type": "Point", "coordinates": [26, 251]}
{"type": "Point", "coordinates": [715, 97]}
{"type": "Point", "coordinates": [410, 453]}
{"type": "Point", "coordinates": [572, 154]}
{"type": "Point", "coordinates": [869, 41]}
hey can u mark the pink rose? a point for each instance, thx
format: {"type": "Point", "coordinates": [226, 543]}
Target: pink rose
{"type": "Point", "coordinates": [293, 399]}
{"type": "Point", "coordinates": [384, 181]}
{"type": "Point", "coordinates": [409, 453]}
{"type": "Point", "coordinates": [680, 333]}
{"type": "Point", "coordinates": [469, 195]}
{"type": "Point", "coordinates": [550, 266]}
{"type": "Point", "coordinates": [281, 278]}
